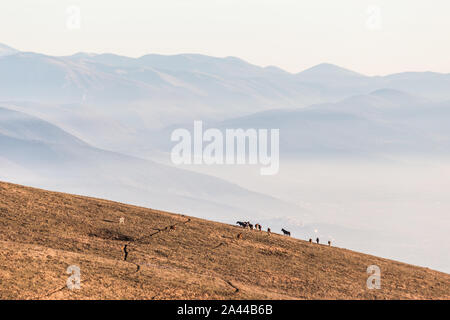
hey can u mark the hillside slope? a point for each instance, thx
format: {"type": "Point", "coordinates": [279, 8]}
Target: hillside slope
{"type": "Point", "coordinates": [42, 233]}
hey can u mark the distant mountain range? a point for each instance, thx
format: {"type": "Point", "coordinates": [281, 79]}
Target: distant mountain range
{"type": "Point", "coordinates": [221, 86]}
{"type": "Point", "coordinates": [120, 103]}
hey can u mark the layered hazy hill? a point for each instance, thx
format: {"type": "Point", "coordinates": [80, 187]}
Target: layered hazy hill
{"type": "Point", "coordinates": [173, 256]}
{"type": "Point", "coordinates": [374, 126]}
{"type": "Point", "coordinates": [35, 152]}
{"type": "Point", "coordinates": [382, 123]}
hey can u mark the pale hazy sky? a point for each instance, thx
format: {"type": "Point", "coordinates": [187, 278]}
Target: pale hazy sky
{"type": "Point", "coordinates": [371, 37]}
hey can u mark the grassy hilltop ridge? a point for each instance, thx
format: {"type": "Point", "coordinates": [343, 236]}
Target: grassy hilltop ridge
{"type": "Point", "coordinates": [172, 256]}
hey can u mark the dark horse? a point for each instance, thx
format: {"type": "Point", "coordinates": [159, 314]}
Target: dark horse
{"type": "Point", "coordinates": [242, 224]}
{"type": "Point", "coordinates": [286, 233]}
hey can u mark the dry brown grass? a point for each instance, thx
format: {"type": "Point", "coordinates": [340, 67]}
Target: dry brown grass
{"type": "Point", "coordinates": [42, 233]}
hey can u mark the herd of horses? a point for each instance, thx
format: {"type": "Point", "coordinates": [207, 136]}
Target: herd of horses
{"type": "Point", "coordinates": [257, 226]}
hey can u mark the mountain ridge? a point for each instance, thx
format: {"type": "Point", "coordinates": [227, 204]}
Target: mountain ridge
{"type": "Point", "coordinates": [323, 66]}
{"type": "Point", "coordinates": [214, 83]}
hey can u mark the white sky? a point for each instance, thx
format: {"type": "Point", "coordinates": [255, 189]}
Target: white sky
{"type": "Point", "coordinates": [411, 35]}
